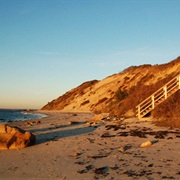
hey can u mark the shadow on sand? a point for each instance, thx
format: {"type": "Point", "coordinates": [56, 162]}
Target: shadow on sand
{"type": "Point", "coordinates": [55, 127]}
{"type": "Point", "coordinates": [54, 133]}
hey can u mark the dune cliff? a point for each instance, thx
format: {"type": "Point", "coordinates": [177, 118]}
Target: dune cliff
{"type": "Point", "coordinates": [117, 94]}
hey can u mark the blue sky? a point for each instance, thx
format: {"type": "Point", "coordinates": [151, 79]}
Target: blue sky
{"type": "Point", "coordinates": [48, 47]}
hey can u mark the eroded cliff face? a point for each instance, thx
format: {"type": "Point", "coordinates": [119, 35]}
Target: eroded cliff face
{"type": "Point", "coordinates": [119, 93]}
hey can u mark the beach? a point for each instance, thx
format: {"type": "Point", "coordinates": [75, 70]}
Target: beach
{"type": "Point", "coordinates": [71, 146]}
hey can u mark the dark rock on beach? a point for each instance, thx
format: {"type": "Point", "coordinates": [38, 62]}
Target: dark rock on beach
{"type": "Point", "coordinates": [101, 170]}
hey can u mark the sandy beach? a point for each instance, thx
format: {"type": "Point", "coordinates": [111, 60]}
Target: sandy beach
{"type": "Point", "coordinates": [67, 147]}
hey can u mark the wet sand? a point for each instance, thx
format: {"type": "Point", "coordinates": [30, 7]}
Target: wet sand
{"type": "Point", "coordinates": [109, 149]}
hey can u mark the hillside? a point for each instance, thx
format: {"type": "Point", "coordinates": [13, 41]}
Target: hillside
{"type": "Point", "coordinates": [118, 94]}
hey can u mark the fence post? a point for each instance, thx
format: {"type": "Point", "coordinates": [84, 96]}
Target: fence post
{"type": "Point", "coordinates": [165, 91]}
{"type": "Point", "coordinates": [152, 98]}
{"type": "Point", "coordinates": [139, 114]}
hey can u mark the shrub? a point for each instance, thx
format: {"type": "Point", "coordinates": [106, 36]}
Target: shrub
{"type": "Point", "coordinates": [168, 112]}
{"type": "Point", "coordinates": [120, 95]}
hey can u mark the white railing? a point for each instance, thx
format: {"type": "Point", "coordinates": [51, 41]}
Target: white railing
{"type": "Point", "coordinates": [159, 96]}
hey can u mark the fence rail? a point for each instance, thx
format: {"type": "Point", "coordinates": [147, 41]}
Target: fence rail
{"type": "Point", "coordinates": [158, 97]}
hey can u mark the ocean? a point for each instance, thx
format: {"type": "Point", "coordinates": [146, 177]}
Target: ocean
{"type": "Point", "coordinates": [17, 115]}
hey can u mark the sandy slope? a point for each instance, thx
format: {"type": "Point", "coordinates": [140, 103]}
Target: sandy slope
{"type": "Point", "coordinates": [104, 95]}
{"type": "Point", "coordinates": [109, 150]}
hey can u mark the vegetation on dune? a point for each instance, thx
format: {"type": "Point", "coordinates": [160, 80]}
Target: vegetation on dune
{"type": "Point", "coordinates": [168, 112]}
{"type": "Point", "coordinates": [129, 99]}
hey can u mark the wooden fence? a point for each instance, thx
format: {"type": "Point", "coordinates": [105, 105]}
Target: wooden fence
{"type": "Point", "coordinates": [157, 97]}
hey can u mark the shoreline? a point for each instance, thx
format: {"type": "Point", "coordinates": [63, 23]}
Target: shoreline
{"type": "Point", "coordinates": [108, 150]}
{"type": "Point", "coordinates": [14, 115]}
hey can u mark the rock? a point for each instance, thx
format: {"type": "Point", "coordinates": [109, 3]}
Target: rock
{"type": "Point", "coordinates": [89, 123]}
{"type": "Point", "coordinates": [138, 133]}
{"type": "Point", "coordinates": [89, 167]}
{"type": "Point", "coordinates": [107, 135]}
{"type": "Point", "coordinates": [122, 118]}
{"type": "Point", "coordinates": [146, 144]}
{"type": "Point", "coordinates": [125, 148]}
{"type": "Point", "coordinates": [154, 141]}
{"type": "Point", "coordinates": [99, 156]}
{"type": "Point", "coordinates": [80, 162]}
{"type": "Point", "coordinates": [123, 126]}
{"type": "Point", "coordinates": [107, 118]}
{"type": "Point", "coordinates": [125, 134]}
{"type": "Point", "coordinates": [161, 134]}
{"type": "Point", "coordinates": [38, 122]}
{"type": "Point", "coordinates": [151, 165]}
{"type": "Point", "coordinates": [75, 154]}
{"type": "Point", "coordinates": [28, 123]}
{"type": "Point", "coordinates": [73, 122]}
{"type": "Point", "coordinates": [15, 138]}
{"type": "Point", "coordinates": [101, 170]}
{"type": "Point", "coordinates": [82, 171]}
{"type": "Point", "coordinates": [98, 118]}
{"type": "Point", "coordinates": [121, 149]}
{"type": "Point", "coordinates": [170, 138]}
{"type": "Point", "coordinates": [114, 127]}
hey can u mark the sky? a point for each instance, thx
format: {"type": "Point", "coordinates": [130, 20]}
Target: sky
{"type": "Point", "coordinates": [48, 47]}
